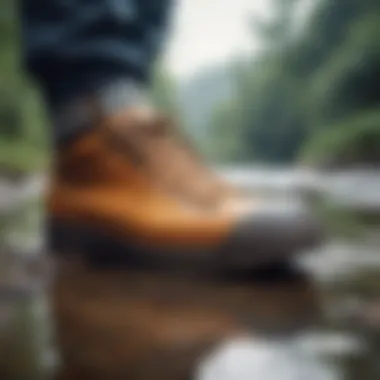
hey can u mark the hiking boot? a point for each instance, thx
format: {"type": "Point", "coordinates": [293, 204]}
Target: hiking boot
{"type": "Point", "coordinates": [129, 191]}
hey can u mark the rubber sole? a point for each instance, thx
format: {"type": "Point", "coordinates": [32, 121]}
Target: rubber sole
{"type": "Point", "coordinates": [102, 252]}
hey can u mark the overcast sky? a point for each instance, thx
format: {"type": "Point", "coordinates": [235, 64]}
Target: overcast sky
{"type": "Point", "coordinates": [206, 32]}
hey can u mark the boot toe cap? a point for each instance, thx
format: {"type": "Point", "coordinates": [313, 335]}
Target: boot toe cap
{"type": "Point", "coordinates": [273, 232]}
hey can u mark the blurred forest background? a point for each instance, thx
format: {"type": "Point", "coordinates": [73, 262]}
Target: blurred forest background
{"type": "Point", "coordinates": [310, 96]}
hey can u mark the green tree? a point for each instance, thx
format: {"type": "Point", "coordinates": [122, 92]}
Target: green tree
{"type": "Point", "coordinates": [304, 81]}
{"type": "Point", "coordinates": [23, 143]}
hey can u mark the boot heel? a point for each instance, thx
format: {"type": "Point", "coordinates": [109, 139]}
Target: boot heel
{"type": "Point", "coordinates": [66, 239]}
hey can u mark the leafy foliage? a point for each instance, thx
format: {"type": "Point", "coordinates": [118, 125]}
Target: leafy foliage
{"type": "Point", "coordinates": [352, 142]}
{"type": "Point", "coordinates": [23, 142]}
{"type": "Point", "coordinates": [306, 83]}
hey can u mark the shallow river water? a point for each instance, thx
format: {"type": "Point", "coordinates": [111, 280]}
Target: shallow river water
{"type": "Point", "coordinates": [318, 321]}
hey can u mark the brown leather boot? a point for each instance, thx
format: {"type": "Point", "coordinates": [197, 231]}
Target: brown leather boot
{"type": "Point", "coordinates": [128, 192]}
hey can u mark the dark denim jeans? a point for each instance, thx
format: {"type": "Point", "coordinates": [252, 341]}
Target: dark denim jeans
{"type": "Point", "coordinates": [72, 47]}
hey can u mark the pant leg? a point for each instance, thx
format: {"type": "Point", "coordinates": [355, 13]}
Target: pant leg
{"type": "Point", "coordinates": [72, 47]}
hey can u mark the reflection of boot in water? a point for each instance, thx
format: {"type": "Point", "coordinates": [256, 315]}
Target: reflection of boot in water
{"type": "Point", "coordinates": [140, 325]}
{"type": "Point", "coordinates": [130, 195]}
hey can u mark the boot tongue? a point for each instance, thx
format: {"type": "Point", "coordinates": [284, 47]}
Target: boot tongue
{"type": "Point", "coordinates": [164, 153]}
